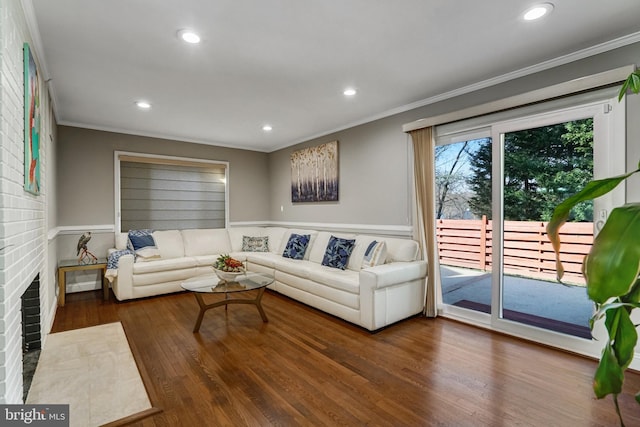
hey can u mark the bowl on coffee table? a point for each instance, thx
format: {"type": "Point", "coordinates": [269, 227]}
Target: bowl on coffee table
{"type": "Point", "coordinates": [228, 276]}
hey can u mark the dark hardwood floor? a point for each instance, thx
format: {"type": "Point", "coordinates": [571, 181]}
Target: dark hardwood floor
{"type": "Point", "coordinates": [305, 367]}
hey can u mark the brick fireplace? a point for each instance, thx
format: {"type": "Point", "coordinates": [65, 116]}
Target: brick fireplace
{"type": "Point", "coordinates": [28, 251]}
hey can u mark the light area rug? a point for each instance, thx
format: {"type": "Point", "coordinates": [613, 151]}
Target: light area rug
{"type": "Point", "coordinates": [93, 370]}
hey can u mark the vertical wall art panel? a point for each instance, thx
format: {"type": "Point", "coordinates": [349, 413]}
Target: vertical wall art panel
{"type": "Point", "coordinates": [31, 124]}
{"type": "Point", "coordinates": [314, 174]}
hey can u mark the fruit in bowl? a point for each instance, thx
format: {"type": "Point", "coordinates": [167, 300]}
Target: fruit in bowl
{"type": "Point", "coordinates": [228, 268]}
{"type": "Point", "coordinates": [228, 264]}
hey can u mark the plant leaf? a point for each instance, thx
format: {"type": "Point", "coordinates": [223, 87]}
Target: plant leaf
{"type": "Point", "coordinates": [623, 334]}
{"type": "Point", "coordinates": [602, 309]}
{"type": "Point", "coordinates": [633, 297]}
{"type": "Point", "coordinates": [561, 213]}
{"type": "Point", "coordinates": [612, 266]}
{"type": "Point", "coordinates": [609, 376]}
{"type": "Point", "coordinates": [631, 83]}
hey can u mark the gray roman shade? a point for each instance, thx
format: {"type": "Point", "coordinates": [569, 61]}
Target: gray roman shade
{"type": "Point", "coordinates": [163, 196]}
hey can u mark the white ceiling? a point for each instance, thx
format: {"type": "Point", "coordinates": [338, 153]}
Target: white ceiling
{"type": "Point", "coordinates": [286, 62]}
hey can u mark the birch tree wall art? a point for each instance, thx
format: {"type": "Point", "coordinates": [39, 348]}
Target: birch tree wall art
{"type": "Point", "coordinates": [314, 174]}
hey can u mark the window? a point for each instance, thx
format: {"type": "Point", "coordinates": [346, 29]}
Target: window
{"type": "Point", "coordinates": [165, 193]}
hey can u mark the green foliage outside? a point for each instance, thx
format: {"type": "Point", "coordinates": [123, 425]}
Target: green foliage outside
{"type": "Point", "coordinates": [543, 166]}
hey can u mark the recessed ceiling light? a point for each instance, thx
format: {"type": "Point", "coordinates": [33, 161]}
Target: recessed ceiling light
{"type": "Point", "coordinates": [189, 36]}
{"type": "Point", "coordinates": [267, 128]}
{"type": "Point", "coordinates": [143, 104]}
{"type": "Point", "coordinates": [538, 11]}
{"type": "Point", "coordinates": [349, 92]}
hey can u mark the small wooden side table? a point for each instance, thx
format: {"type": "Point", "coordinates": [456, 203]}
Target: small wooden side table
{"type": "Point", "coordinates": [74, 265]}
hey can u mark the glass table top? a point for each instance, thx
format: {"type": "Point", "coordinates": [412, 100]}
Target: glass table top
{"type": "Point", "coordinates": [212, 284]}
{"type": "Point", "coordinates": [76, 263]}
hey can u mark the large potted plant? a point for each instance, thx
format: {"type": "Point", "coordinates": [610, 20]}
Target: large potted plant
{"type": "Point", "coordinates": [611, 270]}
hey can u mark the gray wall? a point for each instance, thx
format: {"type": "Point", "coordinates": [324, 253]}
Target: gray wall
{"type": "Point", "coordinates": [374, 161]}
{"type": "Point", "coordinates": [373, 173]}
{"type": "Point", "coordinates": [85, 174]}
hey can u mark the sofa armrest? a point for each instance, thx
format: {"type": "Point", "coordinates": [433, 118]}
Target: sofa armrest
{"type": "Point", "coordinates": [385, 275]}
{"type": "Point", "coordinates": [391, 292]}
{"type": "Point", "coordinates": [123, 284]}
{"type": "Point", "coordinates": [111, 250]}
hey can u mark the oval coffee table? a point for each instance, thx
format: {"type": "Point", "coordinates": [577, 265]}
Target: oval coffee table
{"type": "Point", "coordinates": [212, 284]}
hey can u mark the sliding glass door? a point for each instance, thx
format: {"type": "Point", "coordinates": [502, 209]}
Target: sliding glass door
{"type": "Point", "coordinates": [496, 188]}
{"type": "Point", "coordinates": [544, 160]}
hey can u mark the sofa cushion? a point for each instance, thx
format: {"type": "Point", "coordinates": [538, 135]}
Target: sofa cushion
{"type": "Point", "coordinates": [169, 243]}
{"type": "Point", "coordinates": [208, 241]}
{"type": "Point", "coordinates": [276, 234]}
{"type": "Point", "coordinates": [296, 246]}
{"type": "Point", "coordinates": [338, 252]}
{"type": "Point", "coordinates": [266, 259]}
{"type": "Point", "coordinates": [163, 265]}
{"type": "Point", "coordinates": [295, 267]}
{"type": "Point", "coordinates": [375, 254]}
{"type": "Point", "coordinates": [205, 260]}
{"type": "Point", "coordinates": [346, 280]}
{"type": "Point", "coordinates": [162, 277]}
{"type": "Point", "coordinates": [255, 244]}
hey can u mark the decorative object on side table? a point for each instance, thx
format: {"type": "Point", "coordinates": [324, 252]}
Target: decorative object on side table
{"type": "Point", "coordinates": [227, 268]}
{"type": "Point", "coordinates": [84, 255]}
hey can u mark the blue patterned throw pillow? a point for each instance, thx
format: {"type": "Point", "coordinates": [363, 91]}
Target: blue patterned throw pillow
{"type": "Point", "coordinates": [296, 246]}
{"type": "Point", "coordinates": [140, 239]}
{"type": "Point", "coordinates": [338, 252]}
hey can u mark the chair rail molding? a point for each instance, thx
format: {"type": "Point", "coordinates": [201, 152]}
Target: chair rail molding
{"type": "Point", "coordinates": [405, 231]}
{"type": "Point", "coordinates": [75, 229]}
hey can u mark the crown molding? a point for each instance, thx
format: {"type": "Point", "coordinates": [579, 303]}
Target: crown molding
{"type": "Point", "coordinates": [543, 66]}
{"type": "Point", "coordinates": [155, 135]}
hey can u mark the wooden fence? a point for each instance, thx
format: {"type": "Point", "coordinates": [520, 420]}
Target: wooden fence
{"type": "Point", "coordinates": [527, 250]}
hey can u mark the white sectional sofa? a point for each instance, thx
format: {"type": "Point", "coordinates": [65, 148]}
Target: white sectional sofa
{"type": "Point", "coordinates": [371, 297]}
